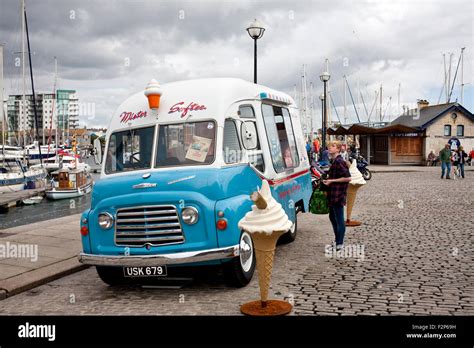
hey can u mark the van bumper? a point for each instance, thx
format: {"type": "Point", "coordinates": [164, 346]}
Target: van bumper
{"type": "Point", "coordinates": [162, 259]}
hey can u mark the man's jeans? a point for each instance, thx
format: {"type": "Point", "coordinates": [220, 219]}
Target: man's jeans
{"type": "Point", "coordinates": [461, 168]}
{"type": "Point", "coordinates": [336, 215]}
{"type": "Point", "coordinates": [444, 166]}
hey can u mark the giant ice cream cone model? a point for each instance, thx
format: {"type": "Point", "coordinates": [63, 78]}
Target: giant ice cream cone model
{"type": "Point", "coordinates": [265, 223]}
{"type": "Point", "coordinates": [153, 92]}
{"type": "Point", "coordinates": [357, 181]}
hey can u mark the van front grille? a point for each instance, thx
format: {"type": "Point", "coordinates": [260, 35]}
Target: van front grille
{"type": "Point", "coordinates": [152, 225]}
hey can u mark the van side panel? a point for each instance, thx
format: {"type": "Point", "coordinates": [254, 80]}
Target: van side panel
{"type": "Point", "coordinates": [237, 204]}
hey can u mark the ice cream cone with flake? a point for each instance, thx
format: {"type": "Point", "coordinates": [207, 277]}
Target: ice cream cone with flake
{"type": "Point", "coordinates": [153, 92]}
{"type": "Point", "coordinates": [265, 223]}
{"type": "Point", "coordinates": [357, 181]}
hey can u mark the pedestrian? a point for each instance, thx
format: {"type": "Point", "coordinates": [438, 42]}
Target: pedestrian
{"type": "Point", "coordinates": [445, 159]}
{"type": "Point", "coordinates": [471, 157]}
{"type": "Point", "coordinates": [455, 162]}
{"type": "Point", "coordinates": [432, 159]}
{"type": "Point", "coordinates": [308, 150]}
{"type": "Point", "coordinates": [325, 157]}
{"type": "Point", "coordinates": [344, 153]}
{"type": "Point", "coordinates": [316, 145]}
{"type": "Point", "coordinates": [461, 160]}
{"type": "Point", "coordinates": [338, 181]}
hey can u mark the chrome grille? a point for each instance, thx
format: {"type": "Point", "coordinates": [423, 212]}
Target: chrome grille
{"type": "Point", "coordinates": [153, 225]}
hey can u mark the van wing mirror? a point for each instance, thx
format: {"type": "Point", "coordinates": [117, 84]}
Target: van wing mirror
{"type": "Point", "coordinates": [248, 133]}
{"type": "Point", "coordinates": [97, 151]}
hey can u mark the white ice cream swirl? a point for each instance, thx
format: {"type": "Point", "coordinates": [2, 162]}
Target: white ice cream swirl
{"type": "Point", "coordinates": [272, 218]}
{"type": "Point", "coordinates": [153, 88]}
{"type": "Point", "coordinates": [356, 175]}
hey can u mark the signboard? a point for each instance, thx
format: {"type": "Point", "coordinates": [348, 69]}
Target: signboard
{"type": "Point", "coordinates": [198, 149]}
{"type": "Point", "coordinates": [455, 143]}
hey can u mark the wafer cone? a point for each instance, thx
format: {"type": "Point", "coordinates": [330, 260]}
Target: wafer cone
{"type": "Point", "coordinates": [264, 245]}
{"type": "Point", "coordinates": [154, 101]}
{"type": "Point", "coordinates": [351, 197]}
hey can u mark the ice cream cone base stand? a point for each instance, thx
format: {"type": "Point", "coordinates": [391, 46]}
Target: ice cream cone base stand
{"type": "Point", "coordinates": [357, 181]}
{"type": "Point", "coordinates": [266, 223]}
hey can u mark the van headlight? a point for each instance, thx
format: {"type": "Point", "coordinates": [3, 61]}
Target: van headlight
{"type": "Point", "coordinates": [106, 221]}
{"type": "Point", "coordinates": [190, 215]}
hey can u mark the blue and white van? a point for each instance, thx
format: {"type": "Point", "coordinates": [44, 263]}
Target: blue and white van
{"type": "Point", "coordinates": [176, 180]}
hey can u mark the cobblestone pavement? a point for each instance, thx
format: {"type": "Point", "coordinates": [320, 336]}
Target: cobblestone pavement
{"type": "Point", "coordinates": [417, 258]}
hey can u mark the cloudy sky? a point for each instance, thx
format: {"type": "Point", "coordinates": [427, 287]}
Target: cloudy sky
{"type": "Point", "coordinates": [109, 49]}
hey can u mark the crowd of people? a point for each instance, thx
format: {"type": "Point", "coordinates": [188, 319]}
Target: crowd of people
{"type": "Point", "coordinates": [448, 158]}
{"type": "Point", "coordinates": [316, 154]}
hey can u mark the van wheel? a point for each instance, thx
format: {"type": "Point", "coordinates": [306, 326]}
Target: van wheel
{"type": "Point", "coordinates": [111, 275]}
{"type": "Point", "coordinates": [290, 236]}
{"type": "Point", "coordinates": [239, 271]}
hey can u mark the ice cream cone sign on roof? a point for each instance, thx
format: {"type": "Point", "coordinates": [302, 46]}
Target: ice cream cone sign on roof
{"type": "Point", "coordinates": [153, 92]}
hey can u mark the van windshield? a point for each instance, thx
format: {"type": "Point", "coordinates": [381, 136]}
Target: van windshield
{"type": "Point", "coordinates": [129, 150]}
{"type": "Point", "coordinates": [186, 144]}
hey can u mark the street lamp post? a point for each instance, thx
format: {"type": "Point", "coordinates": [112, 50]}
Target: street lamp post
{"type": "Point", "coordinates": [255, 31]}
{"type": "Point", "coordinates": [325, 76]}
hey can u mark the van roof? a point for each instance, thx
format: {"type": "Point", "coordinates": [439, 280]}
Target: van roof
{"type": "Point", "coordinates": [202, 98]}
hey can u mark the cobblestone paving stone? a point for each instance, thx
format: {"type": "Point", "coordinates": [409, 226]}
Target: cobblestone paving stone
{"type": "Point", "coordinates": [417, 260]}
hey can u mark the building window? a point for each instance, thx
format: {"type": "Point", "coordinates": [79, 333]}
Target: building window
{"type": "Point", "coordinates": [460, 131]}
{"type": "Point", "coordinates": [447, 130]}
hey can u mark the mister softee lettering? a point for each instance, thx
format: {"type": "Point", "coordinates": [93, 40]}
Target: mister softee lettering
{"type": "Point", "coordinates": [184, 110]}
{"type": "Point", "coordinates": [130, 116]}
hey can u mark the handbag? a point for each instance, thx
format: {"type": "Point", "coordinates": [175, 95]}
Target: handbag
{"type": "Point", "coordinates": [318, 203]}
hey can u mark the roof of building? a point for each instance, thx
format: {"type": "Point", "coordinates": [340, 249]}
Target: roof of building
{"type": "Point", "coordinates": [364, 130]}
{"type": "Point", "coordinates": [429, 114]}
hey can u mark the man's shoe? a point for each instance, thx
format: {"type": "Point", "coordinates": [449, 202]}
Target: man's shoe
{"type": "Point", "coordinates": [448, 177]}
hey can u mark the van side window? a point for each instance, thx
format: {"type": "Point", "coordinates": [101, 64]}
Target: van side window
{"type": "Point", "coordinates": [291, 138]}
{"type": "Point", "coordinates": [281, 138]}
{"type": "Point", "coordinates": [255, 156]}
{"type": "Point", "coordinates": [246, 111]}
{"type": "Point", "coordinates": [232, 149]}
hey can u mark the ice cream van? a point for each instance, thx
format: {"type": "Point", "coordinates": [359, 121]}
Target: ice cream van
{"type": "Point", "coordinates": [180, 162]}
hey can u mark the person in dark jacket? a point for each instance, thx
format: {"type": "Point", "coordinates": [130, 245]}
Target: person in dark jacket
{"type": "Point", "coordinates": [461, 160]}
{"type": "Point", "coordinates": [445, 159]}
{"type": "Point", "coordinates": [339, 178]}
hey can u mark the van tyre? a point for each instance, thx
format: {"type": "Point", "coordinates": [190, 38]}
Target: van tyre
{"type": "Point", "coordinates": [290, 236]}
{"type": "Point", "coordinates": [239, 271]}
{"type": "Point", "coordinates": [111, 275]}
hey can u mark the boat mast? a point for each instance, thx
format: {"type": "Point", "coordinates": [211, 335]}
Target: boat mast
{"type": "Point", "coordinates": [33, 92]}
{"type": "Point", "coordinates": [345, 100]}
{"type": "Point", "coordinates": [399, 88]}
{"type": "Point", "coordinates": [23, 102]}
{"type": "Point", "coordinates": [462, 74]}
{"type": "Point", "coordinates": [449, 76]}
{"type": "Point", "coordinates": [2, 115]}
{"type": "Point", "coordinates": [311, 108]}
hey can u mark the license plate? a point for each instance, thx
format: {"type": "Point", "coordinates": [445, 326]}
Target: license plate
{"type": "Point", "coordinates": [144, 271]}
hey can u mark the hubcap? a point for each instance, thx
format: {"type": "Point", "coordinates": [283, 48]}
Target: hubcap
{"type": "Point", "coordinates": [293, 228]}
{"type": "Point", "coordinates": [246, 252]}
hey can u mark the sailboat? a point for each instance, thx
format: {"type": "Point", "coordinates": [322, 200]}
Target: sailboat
{"type": "Point", "coordinates": [14, 174]}
{"type": "Point", "coordinates": [69, 183]}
